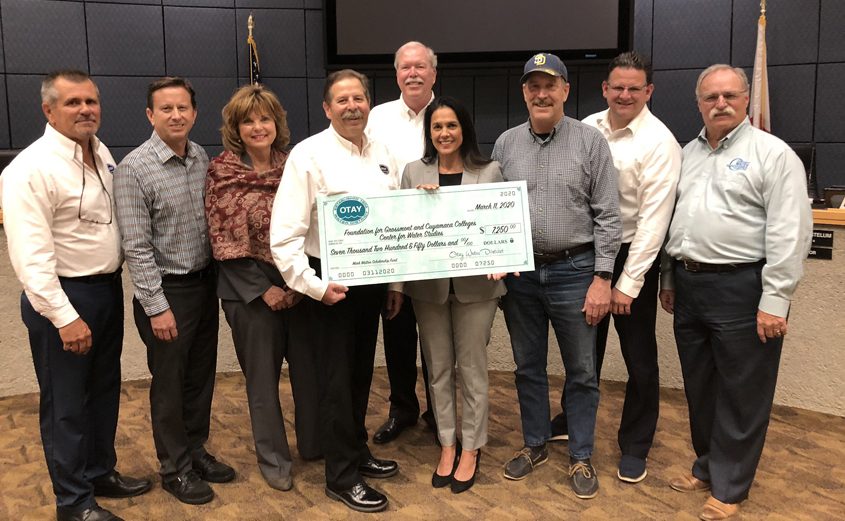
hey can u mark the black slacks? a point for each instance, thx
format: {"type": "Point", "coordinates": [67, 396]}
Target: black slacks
{"type": "Point", "coordinates": [343, 337]}
{"type": "Point", "coordinates": [638, 343]}
{"type": "Point", "coordinates": [183, 372]}
{"type": "Point", "coordinates": [400, 353]}
{"type": "Point", "coordinates": [729, 375]}
{"type": "Point", "coordinates": [79, 394]}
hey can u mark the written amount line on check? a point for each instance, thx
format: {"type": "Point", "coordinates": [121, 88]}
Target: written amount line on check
{"type": "Point", "coordinates": [415, 235]}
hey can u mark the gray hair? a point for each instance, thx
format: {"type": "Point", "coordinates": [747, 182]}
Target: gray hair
{"type": "Point", "coordinates": [720, 67]}
{"type": "Point", "coordinates": [49, 94]}
{"type": "Point", "coordinates": [432, 58]}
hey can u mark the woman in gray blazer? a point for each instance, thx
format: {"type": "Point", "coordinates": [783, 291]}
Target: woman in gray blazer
{"type": "Point", "coordinates": [455, 315]}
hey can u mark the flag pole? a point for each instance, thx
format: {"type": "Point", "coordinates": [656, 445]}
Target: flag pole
{"type": "Point", "coordinates": [254, 67]}
{"type": "Point", "coordinates": [759, 110]}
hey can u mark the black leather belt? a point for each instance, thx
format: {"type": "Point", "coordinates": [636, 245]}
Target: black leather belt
{"type": "Point", "coordinates": [548, 258]}
{"type": "Point", "coordinates": [703, 267]}
{"type": "Point", "coordinates": [194, 275]}
{"type": "Point", "coordinates": [95, 279]}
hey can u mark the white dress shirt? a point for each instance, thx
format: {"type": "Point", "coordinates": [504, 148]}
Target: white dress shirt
{"type": "Point", "coordinates": [323, 164]}
{"type": "Point", "coordinates": [400, 129]}
{"type": "Point", "coordinates": [51, 233]}
{"type": "Point", "coordinates": [648, 159]}
{"type": "Point", "coordinates": [744, 201]}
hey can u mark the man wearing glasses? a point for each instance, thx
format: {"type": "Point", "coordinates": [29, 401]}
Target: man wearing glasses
{"type": "Point", "coordinates": [65, 249]}
{"type": "Point", "coordinates": [741, 230]}
{"type": "Point", "coordinates": [648, 159]}
{"type": "Point", "coordinates": [160, 196]}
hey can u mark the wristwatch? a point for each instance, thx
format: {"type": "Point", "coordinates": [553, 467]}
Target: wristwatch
{"type": "Point", "coordinates": [606, 275]}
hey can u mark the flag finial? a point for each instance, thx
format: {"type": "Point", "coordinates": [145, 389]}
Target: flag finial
{"type": "Point", "coordinates": [250, 24]}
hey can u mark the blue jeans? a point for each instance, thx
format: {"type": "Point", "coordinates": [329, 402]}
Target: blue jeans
{"type": "Point", "coordinates": [554, 292]}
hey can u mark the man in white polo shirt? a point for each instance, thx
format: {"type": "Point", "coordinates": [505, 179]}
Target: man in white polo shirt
{"type": "Point", "coordinates": [399, 125]}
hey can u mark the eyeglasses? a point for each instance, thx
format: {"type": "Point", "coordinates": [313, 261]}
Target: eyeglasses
{"type": "Point", "coordinates": [633, 91]}
{"type": "Point", "coordinates": [94, 220]}
{"type": "Point", "coordinates": [730, 97]}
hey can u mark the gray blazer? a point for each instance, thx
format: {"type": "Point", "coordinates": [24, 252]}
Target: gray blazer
{"type": "Point", "coordinates": [467, 289]}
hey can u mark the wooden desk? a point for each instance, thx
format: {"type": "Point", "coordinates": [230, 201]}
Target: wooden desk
{"type": "Point", "coordinates": [832, 216]}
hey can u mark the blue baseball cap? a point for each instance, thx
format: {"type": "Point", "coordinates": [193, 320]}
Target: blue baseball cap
{"type": "Point", "coordinates": [544, 62]}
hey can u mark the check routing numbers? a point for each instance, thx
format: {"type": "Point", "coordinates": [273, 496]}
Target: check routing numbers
{"type": "Point", "coordinates": [417, 235]}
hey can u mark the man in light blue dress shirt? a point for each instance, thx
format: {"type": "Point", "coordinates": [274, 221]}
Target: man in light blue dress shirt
{"type": "Point", "coordinates": [741, 230]}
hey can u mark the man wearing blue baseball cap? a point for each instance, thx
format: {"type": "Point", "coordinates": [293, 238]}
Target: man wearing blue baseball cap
{"type": "Point", "coordinates": [576, 230]}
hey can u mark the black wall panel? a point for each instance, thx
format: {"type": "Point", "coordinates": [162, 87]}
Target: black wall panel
{"type": "Point", "coordinates": [830, 158]}
{"type": "Point", "coordinates": [590, 99]}
{"type": "Point", "coordinates": [125, 39]}
{"type": "Point", "coordinates": [831, 39]}
{"type": "Point", "coordinates": [691, 33]}
{"type": "Point", "coordinates": [830, 123]}
{"type": "Point", "coordinates": [292, 4]}
{"type": "Point", "coordinates": [491, 115]}
{"type": "Point", "coordinates": [792, 90]}
{"type": "Point", "coordinates": [26, 120]}
{"type": "Point", "coordinates": [674, 102]}
{"type": "Point", "coordinates": [4, 116]}
{"type": "Point", "coordinates": [198, 42]}
{"type": "Point", "coordinates": [643, 26]}
{"type": "Point", "coordinates": [42, 35]}
{"type": "Point", "coordinates": [314, 54]}
{"type": "Point", "coordinates": [212, 95]}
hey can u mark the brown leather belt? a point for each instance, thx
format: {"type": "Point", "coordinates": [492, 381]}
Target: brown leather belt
{"type": "Point", "coordinates": [548, 258]}
{"type": "Point", "coordinates": [703, 267]}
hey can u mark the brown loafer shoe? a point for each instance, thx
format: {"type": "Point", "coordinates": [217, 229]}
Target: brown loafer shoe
{"type": "Point", "coordinates": [689, 483]}
{"type": "Point", "coordinates": [715, 510]}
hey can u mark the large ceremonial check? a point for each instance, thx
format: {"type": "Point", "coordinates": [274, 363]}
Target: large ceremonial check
{"type": "Point", "coordinates": [418, 234]}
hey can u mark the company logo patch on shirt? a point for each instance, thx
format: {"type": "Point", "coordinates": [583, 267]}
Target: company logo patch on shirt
{"type": "Point", "coordinates": [384, 169]}
{"type": "Point", "coordinates": [738, 164]}
{"type": "Point", "coordinates": [110, 167]}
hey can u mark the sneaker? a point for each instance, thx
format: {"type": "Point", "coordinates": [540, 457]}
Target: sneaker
{"type": "Point", "coordinates": [583, 479]}
{"type": "Point", "coordinates": [631, 469]}
{"type": "Point", "coordinates": [560, 429]}
{"type": "Point", "coordinates": [525, 460]}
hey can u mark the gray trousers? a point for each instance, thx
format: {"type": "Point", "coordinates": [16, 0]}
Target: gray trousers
{"type": "Point", "coordinates": [261, 337]}
{"type": "Point", "coordinates": [457, 333]}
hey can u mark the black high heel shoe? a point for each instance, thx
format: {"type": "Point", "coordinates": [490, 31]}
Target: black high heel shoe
{"type": "Point", "coordinates": [459, 486]}
{"type": "Point", "coordinates": [438, 481]}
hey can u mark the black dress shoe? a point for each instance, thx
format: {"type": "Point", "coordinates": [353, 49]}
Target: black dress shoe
{"type": "Point", "coordinates": [378, 468]}
{"type": "Point", "coordinates": [360, 497]}
{"type": "Point", "coordinates": [213, 471]}
{"type": "Point", "coordinates": [390, 430]}
{"type": "Point", "coordinates": [95, 513]}
{"type": "Point", "coordinates": [459, 486]}
{"type": "Point", "coordinates": [117, 486]}
{"type": "Point", "coordinates": [189, 488]}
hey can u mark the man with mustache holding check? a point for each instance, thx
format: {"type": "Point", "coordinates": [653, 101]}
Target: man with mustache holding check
{"type": "Point", "coordinates": [573, 200]}
{"type": "Point", "coordinates": [341, 322]}
{"type": "Point", "coordinates": [741, 230]}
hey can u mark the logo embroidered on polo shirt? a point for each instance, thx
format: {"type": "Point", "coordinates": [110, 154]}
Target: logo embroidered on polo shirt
{"type": "Point", "coordinates": [738, 164]}
{"type": "Point", "coordinates": [384, 169]}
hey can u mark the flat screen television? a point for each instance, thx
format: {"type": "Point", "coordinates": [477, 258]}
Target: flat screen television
{"type": "Point", "coordinates": [476, 32]}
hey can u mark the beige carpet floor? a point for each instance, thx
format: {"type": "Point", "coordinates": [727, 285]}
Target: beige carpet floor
{"type": "Point", "coordinates": [801, 475]}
